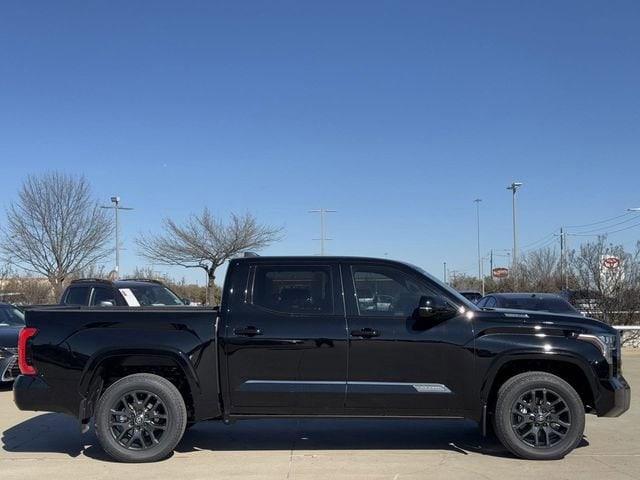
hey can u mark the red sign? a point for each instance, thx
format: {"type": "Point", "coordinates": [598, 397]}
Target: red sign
{"type": "Point", "coordinates": [500, 272]}
{"type": "Point", "coordinates": [611, 262]}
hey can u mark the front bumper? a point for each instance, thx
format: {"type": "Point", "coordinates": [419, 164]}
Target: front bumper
{"type": "Point", "coordinates": [8, 368]}
{"type": "Point", "coordinates": [614, 397]}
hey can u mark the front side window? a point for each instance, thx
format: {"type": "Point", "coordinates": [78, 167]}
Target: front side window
{"type": "Point", "coordinates": [387, 291]}
{"type": "Point", "coordinates": [293, 290]}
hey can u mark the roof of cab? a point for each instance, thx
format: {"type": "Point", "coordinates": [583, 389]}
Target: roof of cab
{"type": "Point", "coordinates": [314, 258]}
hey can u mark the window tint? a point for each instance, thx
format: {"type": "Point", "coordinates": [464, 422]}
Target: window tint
{"type": "Point", "coordinates": [155, 295]}
{"type": "Point", "coordinates": [77, 296]}
{"type": "Point", "coordinates": [491, 302]}
{"type": "Point", "coordinates": [103, 295]}
{"type": "Point", "coordinates": [11, 317]}
{"type": "Point", "coordinates": [555, 305]}
{"type": "Point", "coordinates": [386, 291]}
{"type": "Point", "coordinates": [293, 289]}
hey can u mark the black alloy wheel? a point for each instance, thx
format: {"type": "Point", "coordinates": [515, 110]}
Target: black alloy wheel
{"type": "Point", "coordinates": [138, 420]}
{"type": "Point", "coordinates": [541, 418]}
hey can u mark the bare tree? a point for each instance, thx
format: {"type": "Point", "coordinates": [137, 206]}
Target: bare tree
{"type": "Point", "coordinates": [539, 271]}
{"type": "Point", "coordinates": [617, 292]}
{"type": "Point", "coordinates": [206, 242]}
{"type": "Point", "coordinates": [55, 228]}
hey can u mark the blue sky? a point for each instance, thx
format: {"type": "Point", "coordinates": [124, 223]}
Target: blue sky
{"type": "Point", "coordinates": [396, 114]}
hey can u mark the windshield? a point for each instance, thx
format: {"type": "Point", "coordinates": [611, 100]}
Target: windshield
{"type": "Point", "coordinates": [554, 305]}
{"type": "Point", "coordinates": [154, 295]}
{"type": "Point", "coordinates": [11, 317]}
{"type": "Point", "coordinates": [469, 305]}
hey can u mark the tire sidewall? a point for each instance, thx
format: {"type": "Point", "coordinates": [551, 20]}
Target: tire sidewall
{"type": "Point", "coordinates": [176, 421]}
{"type": "Point", "coordinates": [511, 392]}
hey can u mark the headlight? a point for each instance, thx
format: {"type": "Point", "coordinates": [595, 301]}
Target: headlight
{"type": "Point", "coordinates": [606, 343]}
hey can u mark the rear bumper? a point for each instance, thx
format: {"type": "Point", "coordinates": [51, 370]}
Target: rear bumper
{"type": "Point", "coordinates": [614, 397]}
{"type": "Point", "coordinates": [35, 394]}
{"type": "Point", "coordinates": [32, 393]}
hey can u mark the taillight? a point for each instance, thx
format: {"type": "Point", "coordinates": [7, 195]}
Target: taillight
{"type": "Point", "coordinates": [23, 362]}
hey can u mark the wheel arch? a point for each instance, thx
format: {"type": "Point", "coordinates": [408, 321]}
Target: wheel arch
{"type": "Point", "coordinates": [111, 364]}
{"type": "Point", "coordinates": [574, 370]}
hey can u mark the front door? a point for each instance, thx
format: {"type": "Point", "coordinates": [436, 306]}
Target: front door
{"type": "Point", "coordinates": [398, 364]}
{"type": "Point", "coordinates": [286, 342]}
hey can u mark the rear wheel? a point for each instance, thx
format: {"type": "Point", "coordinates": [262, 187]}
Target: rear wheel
{"type": "Point", "coordinates": [140, 418]}
{"type": "Point", "coordinates": [539, 416]}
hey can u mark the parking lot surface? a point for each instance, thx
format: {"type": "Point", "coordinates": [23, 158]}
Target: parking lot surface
{"type": "Point", "coordinates": [50, 446]}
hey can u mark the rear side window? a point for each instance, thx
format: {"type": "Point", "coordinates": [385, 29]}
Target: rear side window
{"type": "Point", "coordinates": [77, 296]}
{"type": "Point", "coordinates": [293, 290]}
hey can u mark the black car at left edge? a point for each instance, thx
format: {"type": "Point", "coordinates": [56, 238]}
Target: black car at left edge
{"type": "Point", "coordinates": [11, 321]}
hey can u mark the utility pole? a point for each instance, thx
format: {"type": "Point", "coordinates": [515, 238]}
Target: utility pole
{"type": "Point", "coordinates": [480, 276]}
{"type": "Point", "coordinates": [562, 247]}
{"type": "Point", "coordinates": [116, 206]}
{"type": "Point", "coordinates": [566, 260]}
{"type": "Point", "coordinates": [514, 258]}
{"type": "Point", "coordinates": [491, 262]}
{"type": "Point", "coordinates": [323, 237]}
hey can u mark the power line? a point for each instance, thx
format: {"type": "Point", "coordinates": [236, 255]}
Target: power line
{"type": "Point", "coordinates": [599, 222]}
{"type": "Point", "coordinates": [596, 230]}
{"type": "Point", "coordinates": [546, 237]}
{"type": "Point", "coordinates": [604, 233]}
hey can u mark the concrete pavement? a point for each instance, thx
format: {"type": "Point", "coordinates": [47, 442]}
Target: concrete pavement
{"type": "Point", "coordinates": [50, 446]}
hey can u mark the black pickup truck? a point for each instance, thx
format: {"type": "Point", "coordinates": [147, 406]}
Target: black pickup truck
{"type": "Point", "coordinates": [321, 337]}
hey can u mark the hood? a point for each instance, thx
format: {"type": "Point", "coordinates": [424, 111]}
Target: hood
{"type": "Point", "coordinates": [560, 320]}
{"type": "Point", "coordinates": [9, 336]}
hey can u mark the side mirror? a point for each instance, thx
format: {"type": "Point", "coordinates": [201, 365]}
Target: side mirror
{"type": "Point", "coordinates": [106, 303]}
{"type": "Point", "coordinates": [430, 307]}
{"type": "Point", "coordinates": [186, 301]}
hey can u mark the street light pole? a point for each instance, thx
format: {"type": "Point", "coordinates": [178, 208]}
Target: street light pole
{"type": "Point", "coordinates": [322, 212]}
{"type": "Point", "coordinates": [480, 275]}
{"type": "Point", "coordinates": [514, 258]}
{"type": "Point", "coordinates": [116, 206]}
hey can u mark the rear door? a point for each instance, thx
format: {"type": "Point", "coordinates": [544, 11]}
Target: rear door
{"type": "Point", "coordinates": [285, 339]}
{"type": "Point", "coordinates": [398, 364]}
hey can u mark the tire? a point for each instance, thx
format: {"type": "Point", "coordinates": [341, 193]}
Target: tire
{"type": "Point", "coordinates": [152, 428]}
{"type": "Point", "coordinates": [538, 416]}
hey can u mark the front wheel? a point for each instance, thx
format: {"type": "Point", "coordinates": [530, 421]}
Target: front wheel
{"type": "Point", "coordinates": [140, 418]}
{"type": "Point", "coordinates": [539, 416]}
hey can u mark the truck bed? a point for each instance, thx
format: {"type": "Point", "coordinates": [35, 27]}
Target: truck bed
{"type": "Point", "coordinates": [74, 345]}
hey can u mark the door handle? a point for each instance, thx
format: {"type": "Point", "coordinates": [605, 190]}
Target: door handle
{"type": "Point", "coordinates": [365, 333]}
{"type": "Point", "coordinates": [247, 331]}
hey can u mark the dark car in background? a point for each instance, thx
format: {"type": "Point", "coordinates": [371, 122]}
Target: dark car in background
{"type": "Point", "coordinates": [543, 302]}
{"type": "Point", "coordinates": [11, 321]}
{"type": "Point", "coordinates": [471, 295]}
{"type": "Point", "coordinates": [120, 293]}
